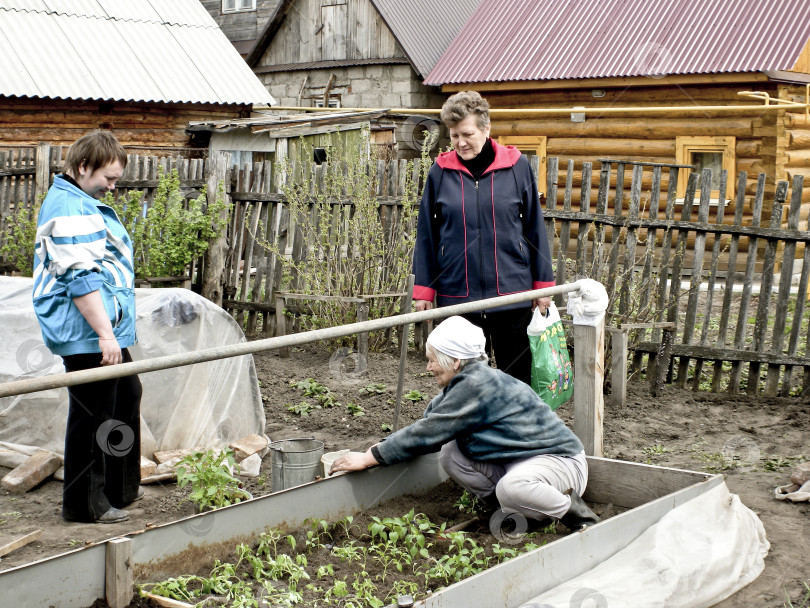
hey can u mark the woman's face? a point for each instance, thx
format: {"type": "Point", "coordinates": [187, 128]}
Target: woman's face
{"type": "Point", "coordinates": [100, 181]}
{"type": "Point", "coordinates": [443, 376]}
{"type": "Point", "coordinates": [468, 138]}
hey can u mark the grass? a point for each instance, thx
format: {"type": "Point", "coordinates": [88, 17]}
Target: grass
{"type": "Point", "coordinates": [805, 602]}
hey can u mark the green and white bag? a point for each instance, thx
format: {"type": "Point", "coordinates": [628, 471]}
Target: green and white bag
{"type": "Point", "coordinates": [552, 372]}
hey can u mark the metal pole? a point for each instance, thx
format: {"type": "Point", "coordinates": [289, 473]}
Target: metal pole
{"type": "Point", "coordinates": [32, 385]}
{"type": "Point", "coordinates": [403, 354]}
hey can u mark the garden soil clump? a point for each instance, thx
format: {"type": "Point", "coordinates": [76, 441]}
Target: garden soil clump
{"type": "Point", "coordinates": [753, 440]}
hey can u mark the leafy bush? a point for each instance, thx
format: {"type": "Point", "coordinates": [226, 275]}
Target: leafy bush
{"type": "Point", "coordinates": [212, 483]}
{"type": "Point", "coordinates": [21, 232]}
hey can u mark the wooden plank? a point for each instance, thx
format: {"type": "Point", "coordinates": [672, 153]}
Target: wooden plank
{"type": "Point", "coordinates": [708, 316]}
{"type": "Point", "coordinates": [43, 170]}
{"type": "Point", "coordinates": [677, 267]}
{"type": "Point", "coordinates": [666, 249]}
{"type": "Point", "coordinates": [217, 251]}
{"type": "Point", "coordinates": [618, 211]}
{"type": "Point", "coordinates": [766, 284]}
{"type": "Point", "coordinates": [118, 576]}
{"type": "Point", "coordinates": [745, 301]}
{"type": "Point", "coordinates": [582, 235]}
{"type": "Point", "coordinates": [565, 232]}
{"type": "Point", "coordinates": [722, 338]}
{"type": "Point", "coordinates": [697, 272]}
{"type": "Point", "coordinates": [798, 313]}
{"type": "Point", "coordinates": [589, 373]}
{"type": "Point", "coordinates": [660, 363]}
{"type": "Point", "coordinates": [618, 367]}
{"type": "Point", "coordinates": [551, 201]}
{"type": "Point", "coordinates": [723, 354]}
{"type": "Point", "coordinates": [26, 539]}
{"type": "Point", "coordinates": [631, 238]}
{"type": "Point", "coordinates": [166, 602]}
{"type": "Point", "coordinates": [601, 209]}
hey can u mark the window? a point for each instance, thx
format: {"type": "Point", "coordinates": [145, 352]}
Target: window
{"type": "Point", "coordinates": [534, 145]}
{"type": "Point", "coordinates": [235, 6]}
{"type": "Point", "coordinates": [715, 153]}
{"type": "Point", "coordinates": [334, 101]}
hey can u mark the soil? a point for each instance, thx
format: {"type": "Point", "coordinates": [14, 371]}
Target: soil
{"type": "Point", "coordinates": [762, 437]}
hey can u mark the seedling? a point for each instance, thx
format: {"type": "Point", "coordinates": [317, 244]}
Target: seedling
{"type": "Point", "coordinates": [413, 396]}
{"type": "Point", "coordinates": [302, 409]}
{"type": "Point", "coordinates": [467, 503]}
{"type": "Point", "coordinates": [656, 450]}
{"type": "Point", "coordinates": [373, 389]}
{"type": "Point", "coordinates": [212, 483]}
{"type": "Point", "coordinates": [355, 410]}
{"type": "Point", "coordinates": [386, 428]}
{"type": "Point", "coordinates": [312, 388]}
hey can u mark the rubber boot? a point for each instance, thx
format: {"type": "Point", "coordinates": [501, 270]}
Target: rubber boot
{"type": "Point", "coordinates": [579, 516]}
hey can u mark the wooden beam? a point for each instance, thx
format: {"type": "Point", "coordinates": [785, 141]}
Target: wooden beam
{"type": "Point", "coordinates": [589, 374]}
{"type": "Point", "coordinates": [119, 578]}
{"type": "Point", "coordinates": [213, 279]}
{"type": "Point", "coordinates": [618, 367]}
{"type": "Point", "coordinates": [20, 542]}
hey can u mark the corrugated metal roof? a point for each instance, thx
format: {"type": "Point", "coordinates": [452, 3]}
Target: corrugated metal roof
{"type": "Point", "coordinates": [168, 51]}
{"type": "Point", "coordinates": [425, 28]}
{"type": "Point", "coordinates": [507, 40]}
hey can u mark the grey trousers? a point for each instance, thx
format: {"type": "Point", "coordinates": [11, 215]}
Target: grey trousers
{"type": "Point", "coordinates": [531, 486]}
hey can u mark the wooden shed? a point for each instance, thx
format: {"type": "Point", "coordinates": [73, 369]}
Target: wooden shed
{"type": "Point", "coordinates": [241, 20]}
{"type": "Point", "coordinates": [142, 69]}
{"type": "Point", "coordinates": [359, 54]}
{"type": "Point", "coordinates": [670, 63]}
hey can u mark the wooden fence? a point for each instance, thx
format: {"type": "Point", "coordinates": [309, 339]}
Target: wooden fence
{"type": "Point", "coordinates": [731, 297]}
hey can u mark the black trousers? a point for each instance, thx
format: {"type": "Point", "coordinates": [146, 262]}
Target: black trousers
{"type": "Point", "coordinates": [507, 340]}
{"type": "Point", "coordinates": [102, 442]}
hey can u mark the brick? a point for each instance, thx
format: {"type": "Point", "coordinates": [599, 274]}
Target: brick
{"type": "Point", "coordinates": [11, 459]}
{"type": "Point", "coordinates": [32, 472]}
{"type": "Point", "coordinates": [247, 446]}
{"type": "Point", "coordinates": [165, 456]}
{"type": "Point", "coordinates": [147, 467]}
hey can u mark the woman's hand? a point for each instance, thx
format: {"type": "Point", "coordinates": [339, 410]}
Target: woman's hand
{"type": "Point", "coordinates": [110, 351]}
{"type": "Point", "coordinates": [543, 303]}
{"type": "Point", "coordinates": [422, 305]}
{"type": "Point", "coordinates": [354, 461]}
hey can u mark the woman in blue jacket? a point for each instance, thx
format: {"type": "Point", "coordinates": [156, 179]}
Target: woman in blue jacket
{"type": "Point", "coordinates": [84, 299]}
{"type": "Point", "coordinates": [480, 233]}
{"type": "Point", "coordinates": [498, 439]}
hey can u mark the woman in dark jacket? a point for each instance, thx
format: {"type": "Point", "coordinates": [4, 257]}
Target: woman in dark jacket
{"type": "Point", "coordinates": [481, 233]}
{"type": "Point", "coordinates": [497, 438]}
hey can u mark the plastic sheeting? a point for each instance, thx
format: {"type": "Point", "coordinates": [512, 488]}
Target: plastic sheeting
{"type": "Point", "coordinates": [204, 405]}
{"type": "Point", "coordinates": [695, 556]}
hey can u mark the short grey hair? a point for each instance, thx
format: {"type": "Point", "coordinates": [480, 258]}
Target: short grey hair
{"type": "Point", "coordinates": [445, 361]}
{"type": "Point", "coordinates": [461, 105]}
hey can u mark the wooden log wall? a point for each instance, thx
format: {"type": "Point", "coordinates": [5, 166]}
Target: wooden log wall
{"type": "Point", "coordinates": [733, 330]}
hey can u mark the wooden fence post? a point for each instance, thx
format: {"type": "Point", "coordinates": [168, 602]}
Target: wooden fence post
{"type": "Point", "coordinates": [618, 366]}
{"type": "Point", "coordinates": [43, 168]}
{"type": "Point", "coordinates": [119, 577]}
{"type": "Point", "coordinates": [213, 278]}
{"type": "Point", "coordinates": [589, 374]}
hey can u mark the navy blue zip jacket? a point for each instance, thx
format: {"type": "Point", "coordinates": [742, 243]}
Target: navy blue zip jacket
{"type": "Point", "coordinates": [480, 239]}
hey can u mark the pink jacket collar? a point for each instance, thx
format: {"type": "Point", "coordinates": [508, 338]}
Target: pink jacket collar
{"type": "Point", "coordinates": [505, 157]}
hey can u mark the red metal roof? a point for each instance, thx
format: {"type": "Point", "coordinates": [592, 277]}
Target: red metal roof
{"type": "Point", "coordinates": [508, 40]}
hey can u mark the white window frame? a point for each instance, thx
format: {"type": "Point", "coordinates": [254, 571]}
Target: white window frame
{"type": "Point", "coordinates": [238, 6]}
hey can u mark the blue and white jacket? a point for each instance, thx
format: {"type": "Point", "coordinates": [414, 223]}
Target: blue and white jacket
{"type": "Point", "coordinates": [81, 247]}
{"type": "Point", "coordinates": [492, 416]}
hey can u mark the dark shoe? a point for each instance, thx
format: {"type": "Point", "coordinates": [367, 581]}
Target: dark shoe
{"type": "Point", "coordinates": [579, 515]}
{"type": "Point", "coordinates": [113, 516]}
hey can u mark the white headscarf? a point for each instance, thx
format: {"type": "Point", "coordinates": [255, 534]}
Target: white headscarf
{"type": "Point", "coordinates": [456, 337]}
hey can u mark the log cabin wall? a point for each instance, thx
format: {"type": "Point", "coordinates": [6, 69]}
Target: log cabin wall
{"type": "Point", "coordinates": [759, 138]}
{"type": "Point", "coordinates": [25, 122]}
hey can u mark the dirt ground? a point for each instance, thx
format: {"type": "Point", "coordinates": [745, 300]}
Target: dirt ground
{"type": "Point", "coordinates": [752, 440]}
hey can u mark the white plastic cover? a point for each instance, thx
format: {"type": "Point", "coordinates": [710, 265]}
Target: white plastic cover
{"type": "Point", "coordinates": [695, 556]}
{"type": "Point", "coordinates": [206, 405]}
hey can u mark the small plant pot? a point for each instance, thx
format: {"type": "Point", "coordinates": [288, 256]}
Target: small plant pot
{"type": "Point", "coordinates": [327, 460]}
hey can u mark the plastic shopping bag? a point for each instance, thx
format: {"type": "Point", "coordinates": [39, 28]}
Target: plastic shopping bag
{"type": "Point", "coordinates": [552, 372]}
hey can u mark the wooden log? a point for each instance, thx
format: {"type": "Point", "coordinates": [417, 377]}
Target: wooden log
{"type": "Point", "coordinates": [797, 158]}
{"type": "Point", "coordinates": [633, 127]}
{"type": "Point", "coordinates": [38, 467]}
{"type": "Point", "coordinates": [748, 148]}
{"type": "Point", "coordinates": [27, 539]}
{"type": "Point", "coordinates": [213, 279]}
{"type": "Point", "coordinates": [119, 579]}
{"type": "Point", "coordinates": [589, 372]}
{"type": "Point", "coordinates": [798, 139]}
{"type": "Point", "coordinates": [595, 146]}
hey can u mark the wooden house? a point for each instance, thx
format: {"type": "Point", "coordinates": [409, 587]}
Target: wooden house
{"type": "Point", "coordinates": [241, 20]}
{"type": "Point", "coordinates": [360, 54]}
{"type": "Point", "coordinates": [669, 63]}
{"type": "Point", "coordinates": [142, 69]}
